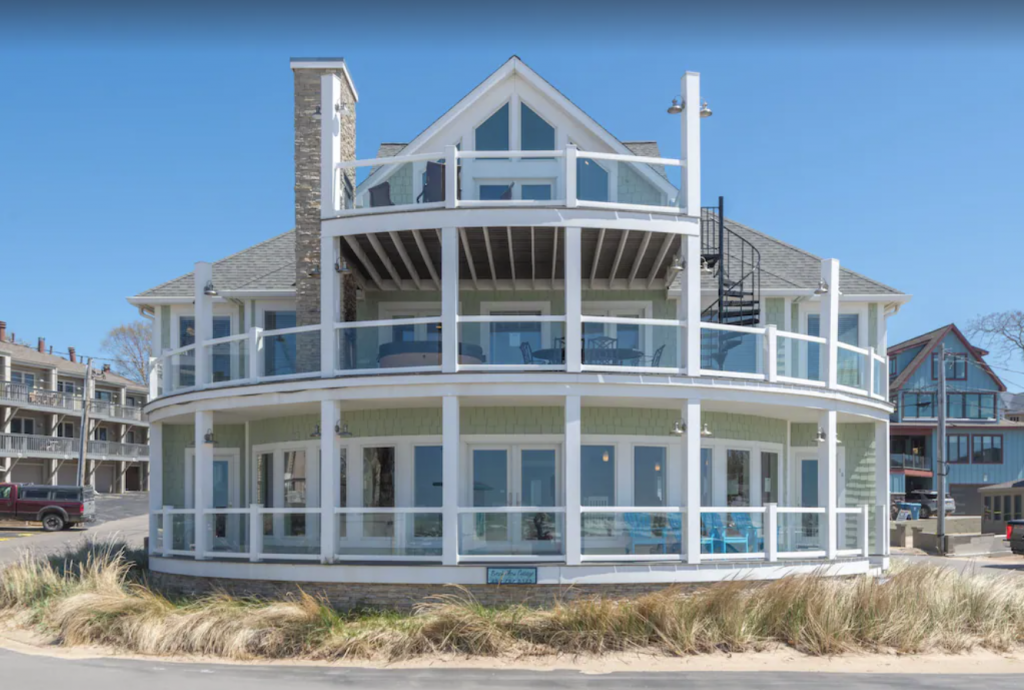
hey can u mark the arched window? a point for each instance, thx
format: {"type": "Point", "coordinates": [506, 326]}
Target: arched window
{"type": "Point", "coordinates": [492, 135]}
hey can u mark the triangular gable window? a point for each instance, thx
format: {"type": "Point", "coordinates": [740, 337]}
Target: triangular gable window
{"type": "Point", "coordinates": [492, 135]}
{"type": "Point", "coordinates": [537, 135]}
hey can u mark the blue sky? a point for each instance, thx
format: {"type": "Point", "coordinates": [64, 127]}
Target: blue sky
{"type": "Point", "coordinates": [133, 147]}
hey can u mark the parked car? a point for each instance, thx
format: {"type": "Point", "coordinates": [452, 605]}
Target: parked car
{"type": "Point", "coordinates": [929, 501]}
{"type": "Point", "coordinates": [1015, 535]}
{"type": "Point", "coordinates": [56, 507]}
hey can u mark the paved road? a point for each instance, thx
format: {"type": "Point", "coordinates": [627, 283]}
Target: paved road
{"type": "Point", "coordinates": [103, 674]}
{"type": "Point", "coordinates": [1003, 565]}
{"type": "Point", "coordinates": [123, 516]}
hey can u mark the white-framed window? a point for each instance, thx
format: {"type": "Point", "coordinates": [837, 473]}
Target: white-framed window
{"type": "Point", "coordinates": [66, 430]}
{"type": "Point", "coordinates": [100, 434]}
{"type": "Point", "coordinates": [23, 378]}
{"type": "Point", "coordinates": [628, 336]}
{"type": "Point", "coordinates": [23, 425]}
{"type": "Point", "coordinates": [69, 387]}
{"type": "Point", "coordinates": [519, 189]}
{"type": "Point", "coordinates": [502, 342]}
{"type": "Point", "coordinates": [421, 332]}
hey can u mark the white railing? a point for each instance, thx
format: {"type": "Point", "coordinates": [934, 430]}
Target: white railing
{"type": "Point", "coordinates": [226, 359]}
{"type": "Point", "coordinates": [487, 342]}
{"type": "Point", "coordinates": [179, 369]}
{"type": "Point", "coordinates": [511, 533]}
{"type": "Point", "coordinates": [28, 395]}
{"type": "Point", "coordinates": [471, 179]}
{"type": "Point", "coordinates": [389, 534]}
{"type": "Point", "coordinates": [640, 345]}
{"type": "Point", "coordinates": [632, 533]}
{"type": "Point", "coordinates": [21, 445]}
{"type": "Point", "coordinates": [386, 345]}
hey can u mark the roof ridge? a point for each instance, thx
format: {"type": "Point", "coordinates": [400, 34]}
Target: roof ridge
{"type": "Point", "coordinates": [264, 275]}
{"type": "Point", "coordinates": [814, 256]}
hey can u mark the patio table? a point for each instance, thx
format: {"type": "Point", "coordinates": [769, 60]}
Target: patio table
{"type": "Point", "coordinates": [592, 355]}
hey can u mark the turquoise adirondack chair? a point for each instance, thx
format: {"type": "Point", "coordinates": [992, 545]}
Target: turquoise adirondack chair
{"type": "Point", "coordinates": [640, 531]}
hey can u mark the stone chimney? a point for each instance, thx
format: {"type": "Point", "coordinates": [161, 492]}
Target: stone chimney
{"type": "Point", "coordinates": [3, 331]}
{"type": "Point", "coordinates": [42, 345]}
{"type": "Point", "coordinates": [71, 354]}
{"type": "Point", "coordinates": [307, 73]}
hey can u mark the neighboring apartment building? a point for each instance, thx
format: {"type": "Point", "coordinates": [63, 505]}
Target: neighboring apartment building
{"type": "Point", "coordinates": [41, 397]}
{"type": "Point", "coordinates": [984, 445]}
{"type": "Point", "coordinates": [536, 348]}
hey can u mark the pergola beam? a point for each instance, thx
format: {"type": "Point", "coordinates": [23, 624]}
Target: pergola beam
{"type": "Point", "coordinates": [597, 258]}
{"type": "Point", "coordinates": [469, 257]}
{"type": "Point", "coordinates": [554, 257]}
{"type": "Point", "coordinates": [383, 255]}
{"type": "Point", "coordinates": [361, 255]}
{"type": "Point", "coordinates": [490, 257]}
{"type": "Point", "coordinates": [618, 256]}
{"type": "Point", "coordinates": [659, 260]}
{"type": "Point", "coordinates": [426, 258]}
{"type": "Point", "coordinates": [406, 259]}
{"type": "Point", "coordinates": [511, 256]}
{"type": "Point", "coordinates": [639, 256]}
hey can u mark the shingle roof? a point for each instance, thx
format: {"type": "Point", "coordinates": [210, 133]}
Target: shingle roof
{"type": "Point", "coordinates": [33, 357]}
{"type": "Point", "coordinates": [269, 265]}
{"type": "Point", "coordinates": [649, 149]}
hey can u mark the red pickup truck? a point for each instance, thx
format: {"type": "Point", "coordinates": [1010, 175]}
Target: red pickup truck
{"type": "Point", "coordinates": [56, 507]}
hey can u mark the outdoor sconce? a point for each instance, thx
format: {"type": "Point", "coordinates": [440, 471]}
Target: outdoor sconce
{"type": "Point", "coordinates": [341, 429]}
{"type": "Point", "coordinates": [341, 266]}
{"type": "Point", "coordinates": [677, 107]}
{"type": "Point", "coordinates": [316, 432]}
{"type": "Point", "coordinates": [705, 111]}
{"type": "Point", "coordinates": [704, 267]}
{"type": "Point", "coordinates": [209, 290]}
{"type": "Point", "coordinates": [209, 438]}
{"type": "Point", "coordinates": [705, 432]}
{"type": "Point", "coordinates": [678, 429]}
{"type": "Point", "coordinates": [315, 271]}
{"type": "Point", "coordinates": [820, 437]}
{"type": "Point", "coordinates": [822, 288]}
{"type": "Point", "coordinates": [678, 263]}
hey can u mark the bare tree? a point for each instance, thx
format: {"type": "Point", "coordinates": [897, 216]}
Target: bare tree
{"type": "Point", "coordinates": [1002, 332]}
{"type": "Point", "coordinates": [129, 345]}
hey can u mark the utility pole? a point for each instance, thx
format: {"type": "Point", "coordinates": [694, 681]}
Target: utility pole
{"type": "Point", "coordinates": [84, 441]}
{"type": "Point", "coordinates": [940, 455]}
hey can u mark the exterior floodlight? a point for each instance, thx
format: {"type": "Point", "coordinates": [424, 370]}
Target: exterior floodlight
{"type": "Point", "coordinates": [822, 288]}
{"type": "Point", "coordinates": [705, 111]}
{"type": "Point", "coordinates": [209, 290]}
{"type": "Point", "coordinates": [705, 432]}
{"type": "Point", "coordinates": [676, 107]}
{"type": "Point", "coordinates": [678, 429]}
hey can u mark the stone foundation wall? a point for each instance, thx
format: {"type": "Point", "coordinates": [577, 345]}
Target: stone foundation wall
{"type": "Point", "coordinates": [399, 597]}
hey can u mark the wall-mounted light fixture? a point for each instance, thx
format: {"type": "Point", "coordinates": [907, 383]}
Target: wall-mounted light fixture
{"type": "Point", "coordinates": [676, 107]}
{"type": "Point", "coordinates": [821, 436]}
{"type": "Point", "coordinates": [822, 288]}
{"type": "Point", "coordinates": [316, 432]}
{"type": "Point", "coordinates": [315, 271]}
{"type": "Point", "coordinates": [705, 267]}
{"type": "Point", "coordinates": [209, 290]}
{"type": "Point", "coordinates": [678, 429]}
{"type": "Point", "coordinates": [678, 263]}
{"type": "Point", "coordinates": [705, 432]}
{"type": "Point", "coordinates": [209, 437]}
{"type": "Point", "coordinates": [341, 266]}
{"type": "Point", "coordinates": [341, 429]}
{"type": "Point", "coordinates": [705, 111]}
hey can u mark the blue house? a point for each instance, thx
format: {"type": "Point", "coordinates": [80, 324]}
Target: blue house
{"type": "Point", "coordinates": [983, 446]}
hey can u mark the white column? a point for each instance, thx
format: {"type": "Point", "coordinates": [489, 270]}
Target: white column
{"type": "Point", "coordinates": [451, 176]}
{"type": "Point", "coordinates": [829, 320]}
{"type": "Point", "coordinates": [450, 300]}
{"type": "Point", "coordinates": [202, 476]}
{"type": "Point", "coordinates": [828, 480]}
{"type": "Point", "coordinates": [771, 352]}
{"type": "Point", "coordinates": [451, 441]}
{"type": "Point", "coordinates": [204, 319]}
{"type": "Point", "coordinates": [330, 304]}
{"type": "Point", "coordinates": [573, 439]}
{"type": "Point", "coordinates": [689, 304]}
{"type": "Point", "coordinates": [690, 89]}
{"type": "Point", "coordinates": [329, 466]}
{"type": "Point", "coordinates": [570, 176]}
{"type": "Point", "coordinates": [255, 353]}
{"type": "Point", "coordinates": [330, 151]}
{"type": "Point", "coordinates": [573, 299]}
{"type": "Point", "coordinates": [691, 480]}
{"type": "Point", "coordinates": [771, 532]}
{"type": "Point", "coordinates": [882, 488]}
{"type": "Point", "coordinates": [154, 378]}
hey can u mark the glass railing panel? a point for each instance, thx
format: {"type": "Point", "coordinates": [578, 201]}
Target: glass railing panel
{"type": "Point", "coordinates": [157, 531]}
{"type": "Point", "coordinates": [852, 368]}
{"type": "Point", "coordinates": [847, 527]}
{"type": "Point", "coordinates": [629, 343]}
{"type": "Point", "coordinates": [183, 532]}
{"type": "Point", "coordinates": [291, 351]}
{"type": "Point", "coordinates": [390, 534]}
{"type": "Point", "coordinates": [880, 381]}
{"type": "Point", "coordinates": [732, 351]}
{"type": "Point", "coordinates": [402, 345]}
{"type": "Point", "coordinates": [627, 182]}
{"type": "Point", "coordinates": [724, 532]}
{"type": "Point", "coordinates": [384, 186]}
{"type": "Point", "coordinates": [227, 361]}
{"type": "Point", "coordinates": [291, 533]}
{"type": "Point", "coordinates": [633, 534]}
{"type": "Point", "coordinates": [539, 533]}
{"type": "Point", "coordinates": [512, 343]}
{"type": "Point", "coordinates": [801, 532]}
{"type": "Point", "coordinates": [801, 359]}
{"type": "Point", "coordinates": [227, 533]}
{"type": "Point", "coordinates": [527, 178]}
{"type": "Point", "coordinates": [180, 371]}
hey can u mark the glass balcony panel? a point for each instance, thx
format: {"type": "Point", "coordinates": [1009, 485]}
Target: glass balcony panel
{"type": "Point", "coordinates": [227, 532]}
{"type": "Point", "coordinates": [801, 532]}
{"type": "Point", "coordinates": [624, 344]}
{"type": "Point", "coordinates": [183, 532]}
{"type": "Point", "coordinates": [291, 533]}
{"type": "Point", "coordinates": [383, 186]}
{"type": "Point", "coordinates": [847, 526]}
{"type": "Point", "coordinates": [181, 371]}
{"type": "Point", "coordinates": [390, 534]}
{"type": "Point", "coordinates": [852, 369]}
{"type": "Point", "coordinates": [512, 534]}
{"type": "Point", "coordinates": [227, 362]}
{"type": "Point", "coordinates": [395, 347]}
{"type": "Point", "coordinates": [635, 534]}
{"type": "Point", "coordinates": [627, 182]}
{"type": "Point", "coordinates": [800, 359]}
{"type": "Point", "coordinates": [727, 532]}
{"type": "Point", "coordinates": [528, 178]}
{"type": "Point", "coordinates": [731, 351]}
{"type": "Point", "coordinates": [287, 353]}
{"type": "Point", "coordinates": [513, 343]}
{"type": "Point", "coordinates": [880, 381]}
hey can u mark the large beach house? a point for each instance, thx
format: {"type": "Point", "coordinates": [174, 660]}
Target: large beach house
{"type": "Point", "coordinates": [514, 348]}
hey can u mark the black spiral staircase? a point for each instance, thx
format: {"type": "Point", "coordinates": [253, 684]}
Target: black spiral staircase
{"type": "Point", "coordinates": [735, 265]}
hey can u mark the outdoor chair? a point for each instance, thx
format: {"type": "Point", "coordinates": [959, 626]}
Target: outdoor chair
{"type": "Point", "coordinates": [641, 533]}
{"type": "Point", "coordinates": [745, 526]}
{"type": "Point", "coordinates": [656, 357]}
{"type": "Point", "coordinates": [381, 195]}
{"type": "Point", "coordinates": [527, 351]}
{"type": "Point", "coordinates": [595, 345]}
{"type": "Point", "coordinates": [433, 184]}
{"type": "Point", "coordinates": [507, 194]}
